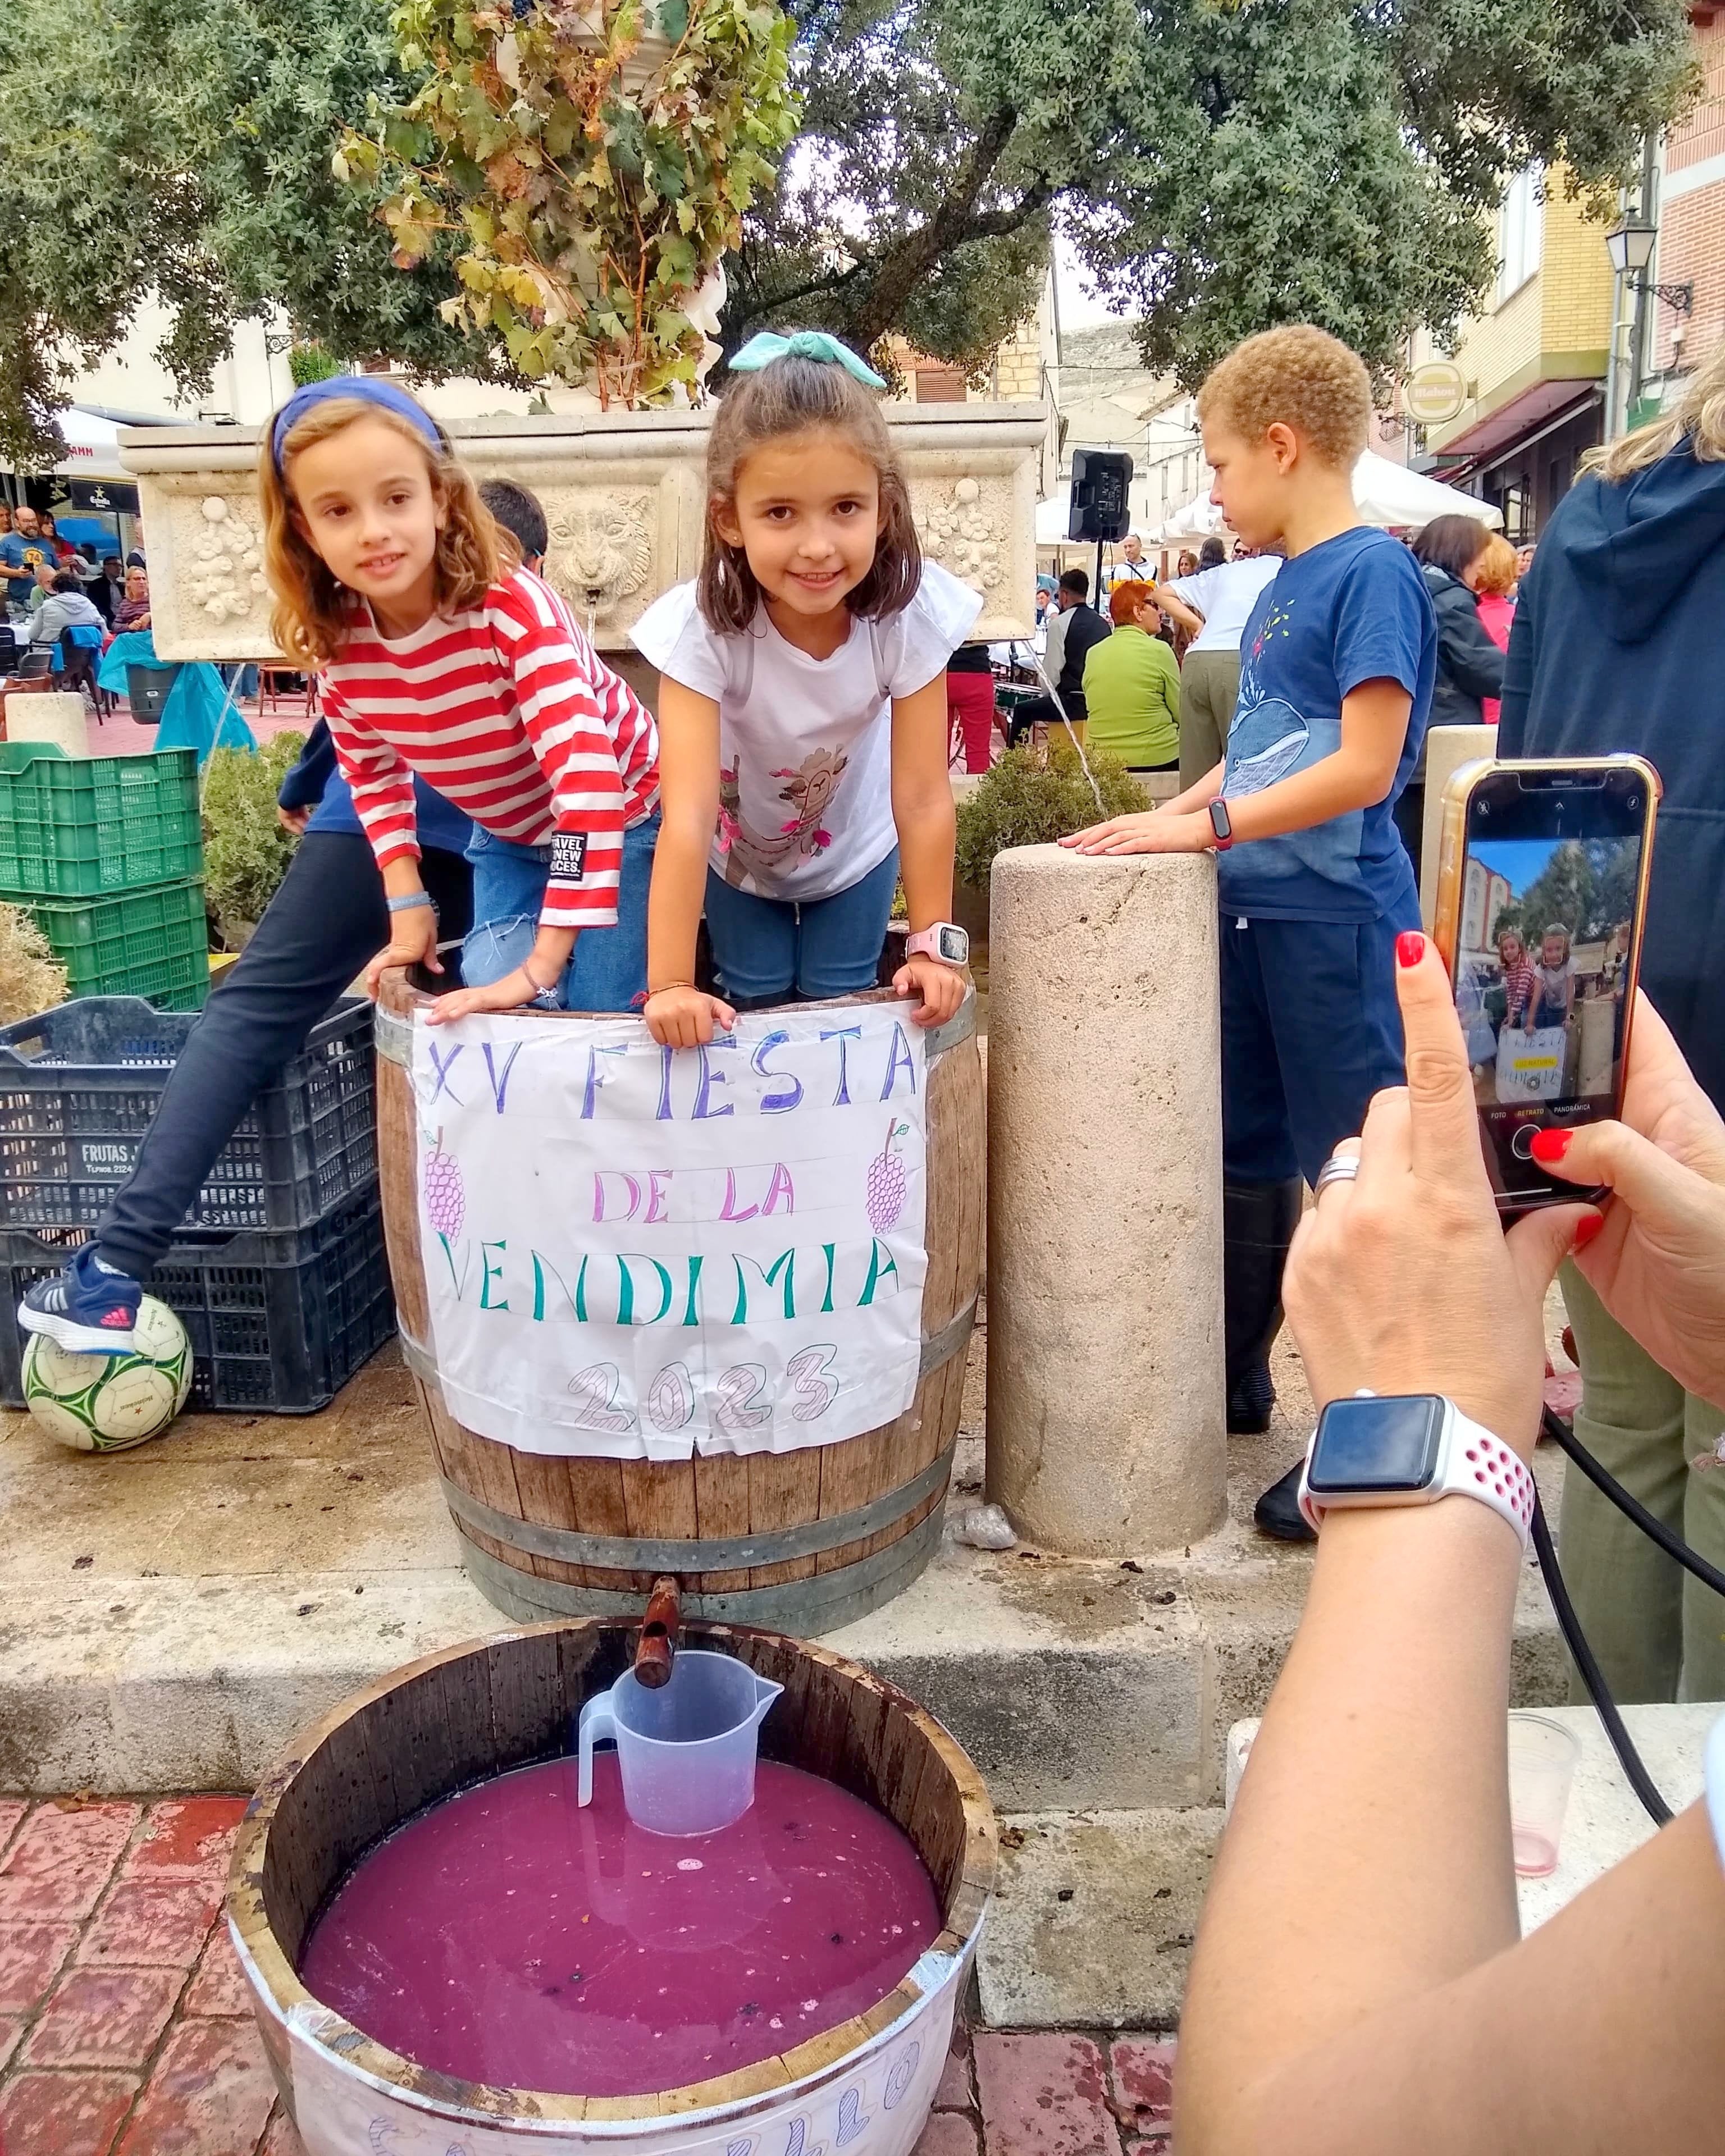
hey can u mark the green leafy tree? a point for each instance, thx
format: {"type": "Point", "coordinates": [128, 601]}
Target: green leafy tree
{"type": "Point", "coordinates": [155, 150]}
{"type": "Point", "coordinates": [1589, 885]}
{"type": "Point", "coordinates": [1220, 164]}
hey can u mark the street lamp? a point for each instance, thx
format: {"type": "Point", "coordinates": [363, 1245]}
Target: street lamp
{"type": "Point", "coordinates": [1629, 243]}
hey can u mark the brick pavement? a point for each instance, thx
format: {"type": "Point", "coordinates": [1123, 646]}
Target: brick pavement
{"type": "Point", "coordinates": [125, 2028]}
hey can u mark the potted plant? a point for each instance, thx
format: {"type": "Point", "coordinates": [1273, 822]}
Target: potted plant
{"type": "Point", "coordinates": [596, 158]}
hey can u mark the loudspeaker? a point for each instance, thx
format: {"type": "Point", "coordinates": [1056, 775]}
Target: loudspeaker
{"type": "Point", "coordinates": [1102, 491]}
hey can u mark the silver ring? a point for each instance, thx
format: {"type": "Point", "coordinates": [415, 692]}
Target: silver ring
{"type": "Point", "coordinates": [1339, 1168]}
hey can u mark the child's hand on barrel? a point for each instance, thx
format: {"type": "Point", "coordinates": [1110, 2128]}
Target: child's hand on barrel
{"type": "Point", "coordinates": [412, 941]}
{"type": "Point", "coordinates": [511, 993]}
{"type": "Point", "coordinates": [685, 1017]}
{"type": "Point", "coordinates": [940, 986]}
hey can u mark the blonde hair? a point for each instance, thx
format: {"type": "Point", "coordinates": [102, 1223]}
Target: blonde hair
{"type": "Point", "coordinates": [308, 618]}
{"type": "Point", "coordinates": [1300, 377]}
{"type": "Point", "coordinates": [1495, 571]}
{"type": "Point", "coordinates": [790, 396]}
{"type": "Point", "coordinates": [1697, 418]}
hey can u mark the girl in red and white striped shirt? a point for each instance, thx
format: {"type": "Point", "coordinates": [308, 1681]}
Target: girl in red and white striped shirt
{"type": "Point", "coordinates": [433, 658]}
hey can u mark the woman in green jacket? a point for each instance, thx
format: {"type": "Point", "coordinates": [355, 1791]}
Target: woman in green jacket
{"type": "Point", "coordinates": [1131, 686]}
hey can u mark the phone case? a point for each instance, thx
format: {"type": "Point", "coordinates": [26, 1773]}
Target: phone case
{"type": "Point", "coordinates": [1446, 913]}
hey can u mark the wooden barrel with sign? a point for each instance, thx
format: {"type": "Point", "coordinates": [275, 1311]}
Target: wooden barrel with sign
{"type": "Point", "coordinates": [802, 1542]}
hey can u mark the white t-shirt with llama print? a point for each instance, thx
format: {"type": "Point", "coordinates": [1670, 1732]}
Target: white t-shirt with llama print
{"type": "Point", "coordinates": [805, 745]}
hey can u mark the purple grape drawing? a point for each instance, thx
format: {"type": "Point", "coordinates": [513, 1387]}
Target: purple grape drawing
{"type": "Point", "coordinates": [887, 1187]}
{"type": "Point", "coordinates": [445, 1199]}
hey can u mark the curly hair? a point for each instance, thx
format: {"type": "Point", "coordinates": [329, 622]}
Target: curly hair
{"type": "Point", "coordinates": [1300, 377]}
{"type": "Point", "coordinates": [790, 396]}
{"type": "Point", "coordinates": [308, 618]}
{"type": "Point", "coordinates": [1495, 572]}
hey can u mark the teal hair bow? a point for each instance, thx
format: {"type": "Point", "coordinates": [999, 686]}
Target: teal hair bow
{"type": "Point", "coordinates": [766, 346]}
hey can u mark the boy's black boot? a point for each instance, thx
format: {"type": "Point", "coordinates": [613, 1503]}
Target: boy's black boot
{"type": "Point", "coordinates": [1258, 1224]}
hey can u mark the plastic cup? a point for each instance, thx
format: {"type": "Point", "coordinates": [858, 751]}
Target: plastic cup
{"type": "Point", "coordinates": [1543, 1756]}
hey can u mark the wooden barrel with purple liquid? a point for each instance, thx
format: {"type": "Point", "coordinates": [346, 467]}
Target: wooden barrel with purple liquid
{"type": "Point", "coordinates": [456, 1720]}
{"type": "Point", "coordinates": [803, 1542]}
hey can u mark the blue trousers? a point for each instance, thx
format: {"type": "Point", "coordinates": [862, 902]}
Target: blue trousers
{"type": "Point", "coordinates": [1310, 1029]}
{"type": "Point", "coordinates": [764, 948]}
{"type": "Point", "coordinates": [607, 967]}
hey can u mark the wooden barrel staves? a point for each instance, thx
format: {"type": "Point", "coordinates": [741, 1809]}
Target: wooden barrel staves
{"type": "Point", "coordinates": [472, 1711]}
{"type": "Point", "coordinates": [800, 1542]}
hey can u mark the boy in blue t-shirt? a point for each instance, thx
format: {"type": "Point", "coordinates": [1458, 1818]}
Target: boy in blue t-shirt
{"type": "Point", "coordinates": [1337, 662]}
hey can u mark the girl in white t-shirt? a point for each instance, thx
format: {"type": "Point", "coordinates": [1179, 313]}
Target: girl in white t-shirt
{"type": "Point", "coordinates": [803, 710]}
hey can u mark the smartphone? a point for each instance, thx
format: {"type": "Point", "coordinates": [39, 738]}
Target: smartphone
{"type": "Point", "coordinates": [1542, 903]}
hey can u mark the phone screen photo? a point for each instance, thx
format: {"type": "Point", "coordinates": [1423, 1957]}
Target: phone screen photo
{"type": "Point", "coordinates": [1546, 905]}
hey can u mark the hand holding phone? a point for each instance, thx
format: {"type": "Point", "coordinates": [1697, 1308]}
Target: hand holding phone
{"type": "Point", "coordinates": [1541, 906]}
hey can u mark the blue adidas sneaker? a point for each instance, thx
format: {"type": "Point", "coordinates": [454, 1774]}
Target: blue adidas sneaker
{"type": "Point", "coordinates": [89, 1309]}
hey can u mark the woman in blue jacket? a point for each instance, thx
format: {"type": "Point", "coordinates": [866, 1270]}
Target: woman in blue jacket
{"type": "Point", "coordinates": [1619, 643]}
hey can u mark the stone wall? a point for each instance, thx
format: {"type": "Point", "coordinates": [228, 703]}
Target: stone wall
{"type": "Point", "coordinates": [625, 498]}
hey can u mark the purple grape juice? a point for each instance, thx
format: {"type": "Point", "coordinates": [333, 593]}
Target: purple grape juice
{"type": "Point", "coordinates": [507, 1935]}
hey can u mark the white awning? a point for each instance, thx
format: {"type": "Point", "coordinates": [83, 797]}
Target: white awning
{"type": "Point", "coordinates": [1387, 494]}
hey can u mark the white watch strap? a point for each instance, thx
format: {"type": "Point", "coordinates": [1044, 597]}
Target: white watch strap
{"type": "Point", "coordinates": [1472, 1462]}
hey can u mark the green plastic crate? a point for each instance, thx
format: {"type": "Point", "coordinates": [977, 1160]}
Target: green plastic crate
{"type": "Point", "coordinates": [86, 827]}
{"type": "Point", "coordinates": [153, 943]}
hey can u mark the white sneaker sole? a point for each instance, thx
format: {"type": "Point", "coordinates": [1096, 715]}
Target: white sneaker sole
{"type": "Point", "coordinates": [77, 1339]}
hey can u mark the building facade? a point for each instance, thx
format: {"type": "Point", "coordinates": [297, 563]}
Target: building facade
{"type": "Point", "coordinates": [1534, 363]}
{"type": "Point", "coordinates": [1690, 214]}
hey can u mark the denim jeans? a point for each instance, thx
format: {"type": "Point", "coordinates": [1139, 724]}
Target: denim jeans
{"type": "Point", "coordinates": [764, 948]}
{"type": "Point", "coordinates": [325, 923]}
{"type": "Point", "coordinates": [607, 967]}
{"type": "Point", "coordinates": [1310, 1029]}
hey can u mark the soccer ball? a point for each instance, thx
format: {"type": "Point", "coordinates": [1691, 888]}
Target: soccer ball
{"type": "Point", "coordinates": [108, 1403]}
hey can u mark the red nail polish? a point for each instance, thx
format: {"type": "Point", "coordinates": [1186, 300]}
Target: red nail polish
{"type": "Point", "coordinates": [1587, 1230]}
{"type": "Point", "coordinates": [1410, 948]}
{"type": "Point", "coordinates": [1549, 1147]}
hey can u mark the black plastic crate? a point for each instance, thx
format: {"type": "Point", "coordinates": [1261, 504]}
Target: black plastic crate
{"type": "Point", "coordinates": [279, 1321]}
{"type": "Point", "coordinates": [79, 1087]}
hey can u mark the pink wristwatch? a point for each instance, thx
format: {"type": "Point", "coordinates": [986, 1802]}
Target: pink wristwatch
{"type": "Point", "coordinates": [945, 940]}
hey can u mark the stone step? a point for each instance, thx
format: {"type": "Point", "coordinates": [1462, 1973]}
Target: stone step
{"type": "Point", "coordinates": [1093, 1923]}
{"type": "Point", "coordinates": [1075, 1686]}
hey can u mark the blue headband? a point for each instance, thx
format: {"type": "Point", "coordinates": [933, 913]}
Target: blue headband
{"type": "Point", "coordinates": [765, 347]}
{"type": "Point", "coordinates": [369, 389]}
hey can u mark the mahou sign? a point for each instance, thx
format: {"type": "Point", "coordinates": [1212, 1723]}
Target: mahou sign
{"type": "Point", "coordinates": [641, 1253]}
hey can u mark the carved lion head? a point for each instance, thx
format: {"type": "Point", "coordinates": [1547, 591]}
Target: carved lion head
{"type": "Point", "coordinates": [601, 548]}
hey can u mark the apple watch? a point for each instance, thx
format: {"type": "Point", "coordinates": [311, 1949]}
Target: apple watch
{"type": "Point", "coordinates": [1221, 824]}
{"type": "Point", "coordinates": [1411, 1450]}
{"type": "Point", "coordinates": [945, 941]}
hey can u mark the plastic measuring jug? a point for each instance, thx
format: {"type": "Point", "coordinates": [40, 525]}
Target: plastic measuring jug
{"type": "Point", "coordinates": [687, 1749]}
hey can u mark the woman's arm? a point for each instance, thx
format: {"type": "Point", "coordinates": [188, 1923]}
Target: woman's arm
{"type": "Point", "coordinates": [678, 1014]}
{"type": "Point", "coordinates": [1357, 775]}
{"type": "Point", "coordinates": [928, 832]}
{"type": "Point", "coordinates": [1357, 1986]}
{"type": "Point", "coordinates": [1177, 610]}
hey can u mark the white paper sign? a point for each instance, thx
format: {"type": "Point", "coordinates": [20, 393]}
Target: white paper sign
{"type": "Point", "coordinates": [635, 1253]}
{"type": "Point", "coordinates": [1530, 1063]}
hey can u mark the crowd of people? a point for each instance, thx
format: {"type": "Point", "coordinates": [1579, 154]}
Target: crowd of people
{"type": "Point", "coordinates": [531, 823]}
{"type": "Point", "coordinates": [58, 603]}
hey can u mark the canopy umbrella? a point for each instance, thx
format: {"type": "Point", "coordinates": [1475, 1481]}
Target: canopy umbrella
{"type": "Point", "coordinates": [1402, 500]}
{"type": "Point", "coordinates": [1387, 494]}
{"type": "Point", "coordinates": [1053, 516]}
{"type": "Point", "coordinates": [92, 447]}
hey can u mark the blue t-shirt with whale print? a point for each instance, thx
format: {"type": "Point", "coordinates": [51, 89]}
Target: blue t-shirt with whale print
{"type": "Point", "coordinates": [1354, 609]}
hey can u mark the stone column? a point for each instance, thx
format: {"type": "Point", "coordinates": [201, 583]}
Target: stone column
{"type": "Point", "coordinates": [1105, 1201]}
{"type": "Point", "coordinates": [55, 717]}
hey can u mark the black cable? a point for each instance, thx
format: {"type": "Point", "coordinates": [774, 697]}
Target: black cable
{"type": "Point", "coordinates": [1639, 1780]}
{"type": "Point", "coordinates": [1655, 1529]}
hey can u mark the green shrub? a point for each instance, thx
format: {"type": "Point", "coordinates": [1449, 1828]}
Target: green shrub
{"type": "Point", "coordinates": [1026, 801]}
{"type": "Point", "coordinates": [245, 850]}
{"type": "Point", "coordinates": [311, 362]}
